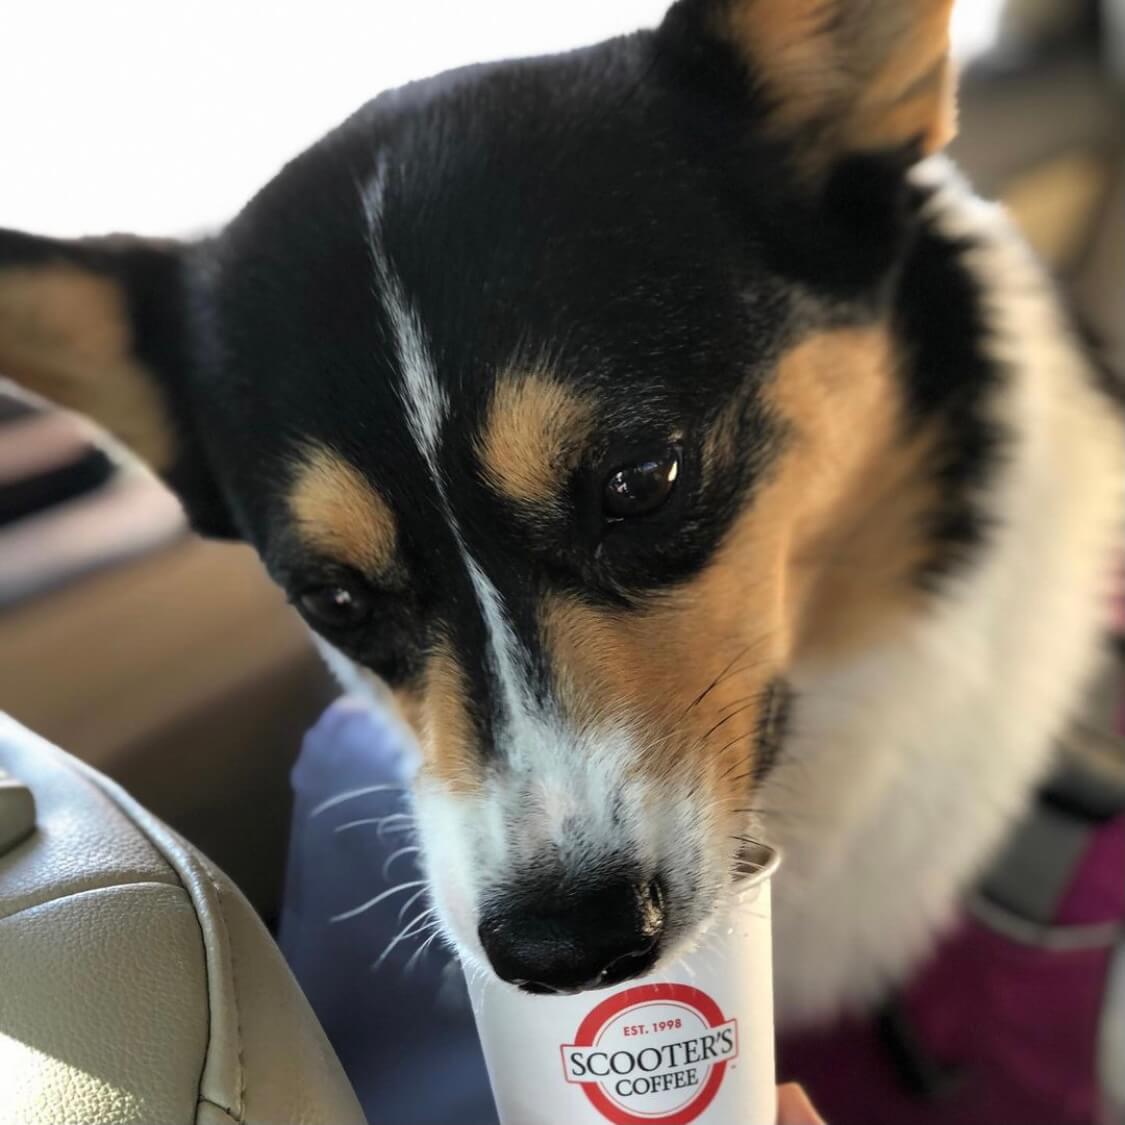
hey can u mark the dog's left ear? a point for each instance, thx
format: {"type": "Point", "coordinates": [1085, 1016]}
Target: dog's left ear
{"type": "Point", "coordinates": [838, 78]}
{"type": "Point", "coordinates": [99, 326]}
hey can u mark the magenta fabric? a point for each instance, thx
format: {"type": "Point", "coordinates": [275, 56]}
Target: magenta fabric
{"type": "Point", "coordinates": [1017, 1024]}
{"type": "Point", "coordinates": [1117, 599]}
{"type": "Point", "coordinates": [1098, 893]}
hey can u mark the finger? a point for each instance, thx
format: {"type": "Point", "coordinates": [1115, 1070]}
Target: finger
{"type": "Point", "coordinates": [794, 1107]}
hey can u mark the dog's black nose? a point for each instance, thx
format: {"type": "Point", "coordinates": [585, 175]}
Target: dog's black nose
{"type": "Point", "coordinates": [567, 941]}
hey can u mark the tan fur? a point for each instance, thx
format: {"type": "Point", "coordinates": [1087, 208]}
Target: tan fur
{"type": "Point", "coordinates": [721, 451]}
{"type": "Point", "coordinates": [440, 715]}
{"type": "Point", "coordinates": [65, 335]}
{"type": "Point", "coordinates": [822, 557]}
{"type": "Point", "coordinates": [337, 512]}
{"type": "Point", "coordinates": [436, 707]}
{"type": "Point", "coordinates": [860, 76]}
{"type": "Point", "coordinates": [535, 429]}
{"type": "Point", "coordinates": [852, 493]}
{"type": "Point", "coordinates": [652, 666]}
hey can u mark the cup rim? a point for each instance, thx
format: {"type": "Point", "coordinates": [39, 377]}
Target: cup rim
{"type": "Point", "coordinates": [768, 860]}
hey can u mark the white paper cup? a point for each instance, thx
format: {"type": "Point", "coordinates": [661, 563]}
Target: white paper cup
{"type": "Point", "coordinates": [693, 1042]}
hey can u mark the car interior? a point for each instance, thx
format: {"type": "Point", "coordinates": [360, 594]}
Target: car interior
{"type": "Point", "coordinates": [157, 688]}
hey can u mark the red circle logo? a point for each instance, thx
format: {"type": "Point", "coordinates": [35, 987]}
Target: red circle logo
{"type": "Point", "coordinates": [652, 1055]}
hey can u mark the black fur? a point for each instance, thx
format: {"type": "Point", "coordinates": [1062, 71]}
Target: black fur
{"type": "Point", "coordinates": [774, 717]}
{"type": "Point", "coordinates": [555, 211]}
{"type": "Point", "coordinates": [615, 214]}
{"type": "Point", "coordinates": [950, 379]}
{"type": "Point", "coordinates": [150, 274]}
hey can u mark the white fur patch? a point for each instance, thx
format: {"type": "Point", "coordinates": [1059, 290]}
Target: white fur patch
{"type": "Point", "coordinates": [558, 786]}
{"type": "Point", "coordinates": [426, 407]}
{"type": "Point", "coordinates": [509, 662]}
{"type": "Point", "coordinates": [907, 763]}
{"type": "Point", "coordinates": [422, 397]}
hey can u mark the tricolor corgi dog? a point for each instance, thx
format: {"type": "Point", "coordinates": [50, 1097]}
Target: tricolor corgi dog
{"type": "Point", "coordinates": [671, 430]}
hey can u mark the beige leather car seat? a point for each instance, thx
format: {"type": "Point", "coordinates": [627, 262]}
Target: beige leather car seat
{"type": "Point", "coordinates": [136, 983]}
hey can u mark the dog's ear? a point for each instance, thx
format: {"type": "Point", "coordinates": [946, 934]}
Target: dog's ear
{"type": "Point", "coordinates": [99, 326]}
{"type": "Point", "coordinates": [837, 78]}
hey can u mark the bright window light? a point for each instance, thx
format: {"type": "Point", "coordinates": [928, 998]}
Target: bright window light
{"type": "Point", "coordinates": [976, 24]}
{"type": "Point", "coordinates": [165, 118]}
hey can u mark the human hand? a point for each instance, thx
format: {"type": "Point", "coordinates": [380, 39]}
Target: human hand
{"type": "Point", "coordinates": [794, 1107]}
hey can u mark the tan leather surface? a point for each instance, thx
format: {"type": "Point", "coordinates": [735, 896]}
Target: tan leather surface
{"type": "Point", "coordinates": [103, 1009]}
{"type": "Point", "coordinates": [184, 676]}
{"type": "Point", "coordinates": [275, 1032]}
{"type": "Point", "coordinates": [82, 841]}
{"type": "Point", "coordinates": [17, 812]}
{"type": "Point", "coordinates": [136, 983]}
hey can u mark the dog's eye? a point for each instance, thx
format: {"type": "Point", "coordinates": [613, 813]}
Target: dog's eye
{"type": "Point", "coordinates": [336, 606]}
{"type": "Point", "coordinates": [636, 490]}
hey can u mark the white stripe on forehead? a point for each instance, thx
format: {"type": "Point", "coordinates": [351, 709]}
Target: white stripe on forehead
{"type": "Point", "coordinates": [422, 397]}
{"type": "Point", "coordinates": [427, 406]}
{"type": "Point", "coordinates": [510, 660]}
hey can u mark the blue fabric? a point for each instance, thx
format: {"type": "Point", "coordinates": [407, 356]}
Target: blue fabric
{"type": "Point", "coordinates": [405, 1035]}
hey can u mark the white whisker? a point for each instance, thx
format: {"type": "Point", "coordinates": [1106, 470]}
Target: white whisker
{"type": "Point", "coordinates": [381, 822]}
{"type": "Point", "coordinates": [375, 901]}
{"type": "Point", "coordinates": [396, 828]}
{"type": "Point", "coordinates": [394, 855]}
{"type": "Point", "coordinates": [351, 794]}
{"type": "Point", "coordinates": [422, 949]}
{"type": "Point", "coordinates": [417, 925]}
{"type": "Point", "coordinates": [410, 902]}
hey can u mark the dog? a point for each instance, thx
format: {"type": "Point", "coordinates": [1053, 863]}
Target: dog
{"type": "Point", "coordinates": [667, 426]}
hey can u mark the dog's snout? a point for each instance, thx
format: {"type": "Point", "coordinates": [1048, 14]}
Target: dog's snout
{"type": "Point", "coordinates": [564, 940]}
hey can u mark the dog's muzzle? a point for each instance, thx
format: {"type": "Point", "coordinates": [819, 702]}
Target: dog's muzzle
{"type": "Point", "coordinates": [559, 939]}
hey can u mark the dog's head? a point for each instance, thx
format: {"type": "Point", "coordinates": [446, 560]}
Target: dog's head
{"type": "Point", "coordinates": [562, 396]}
